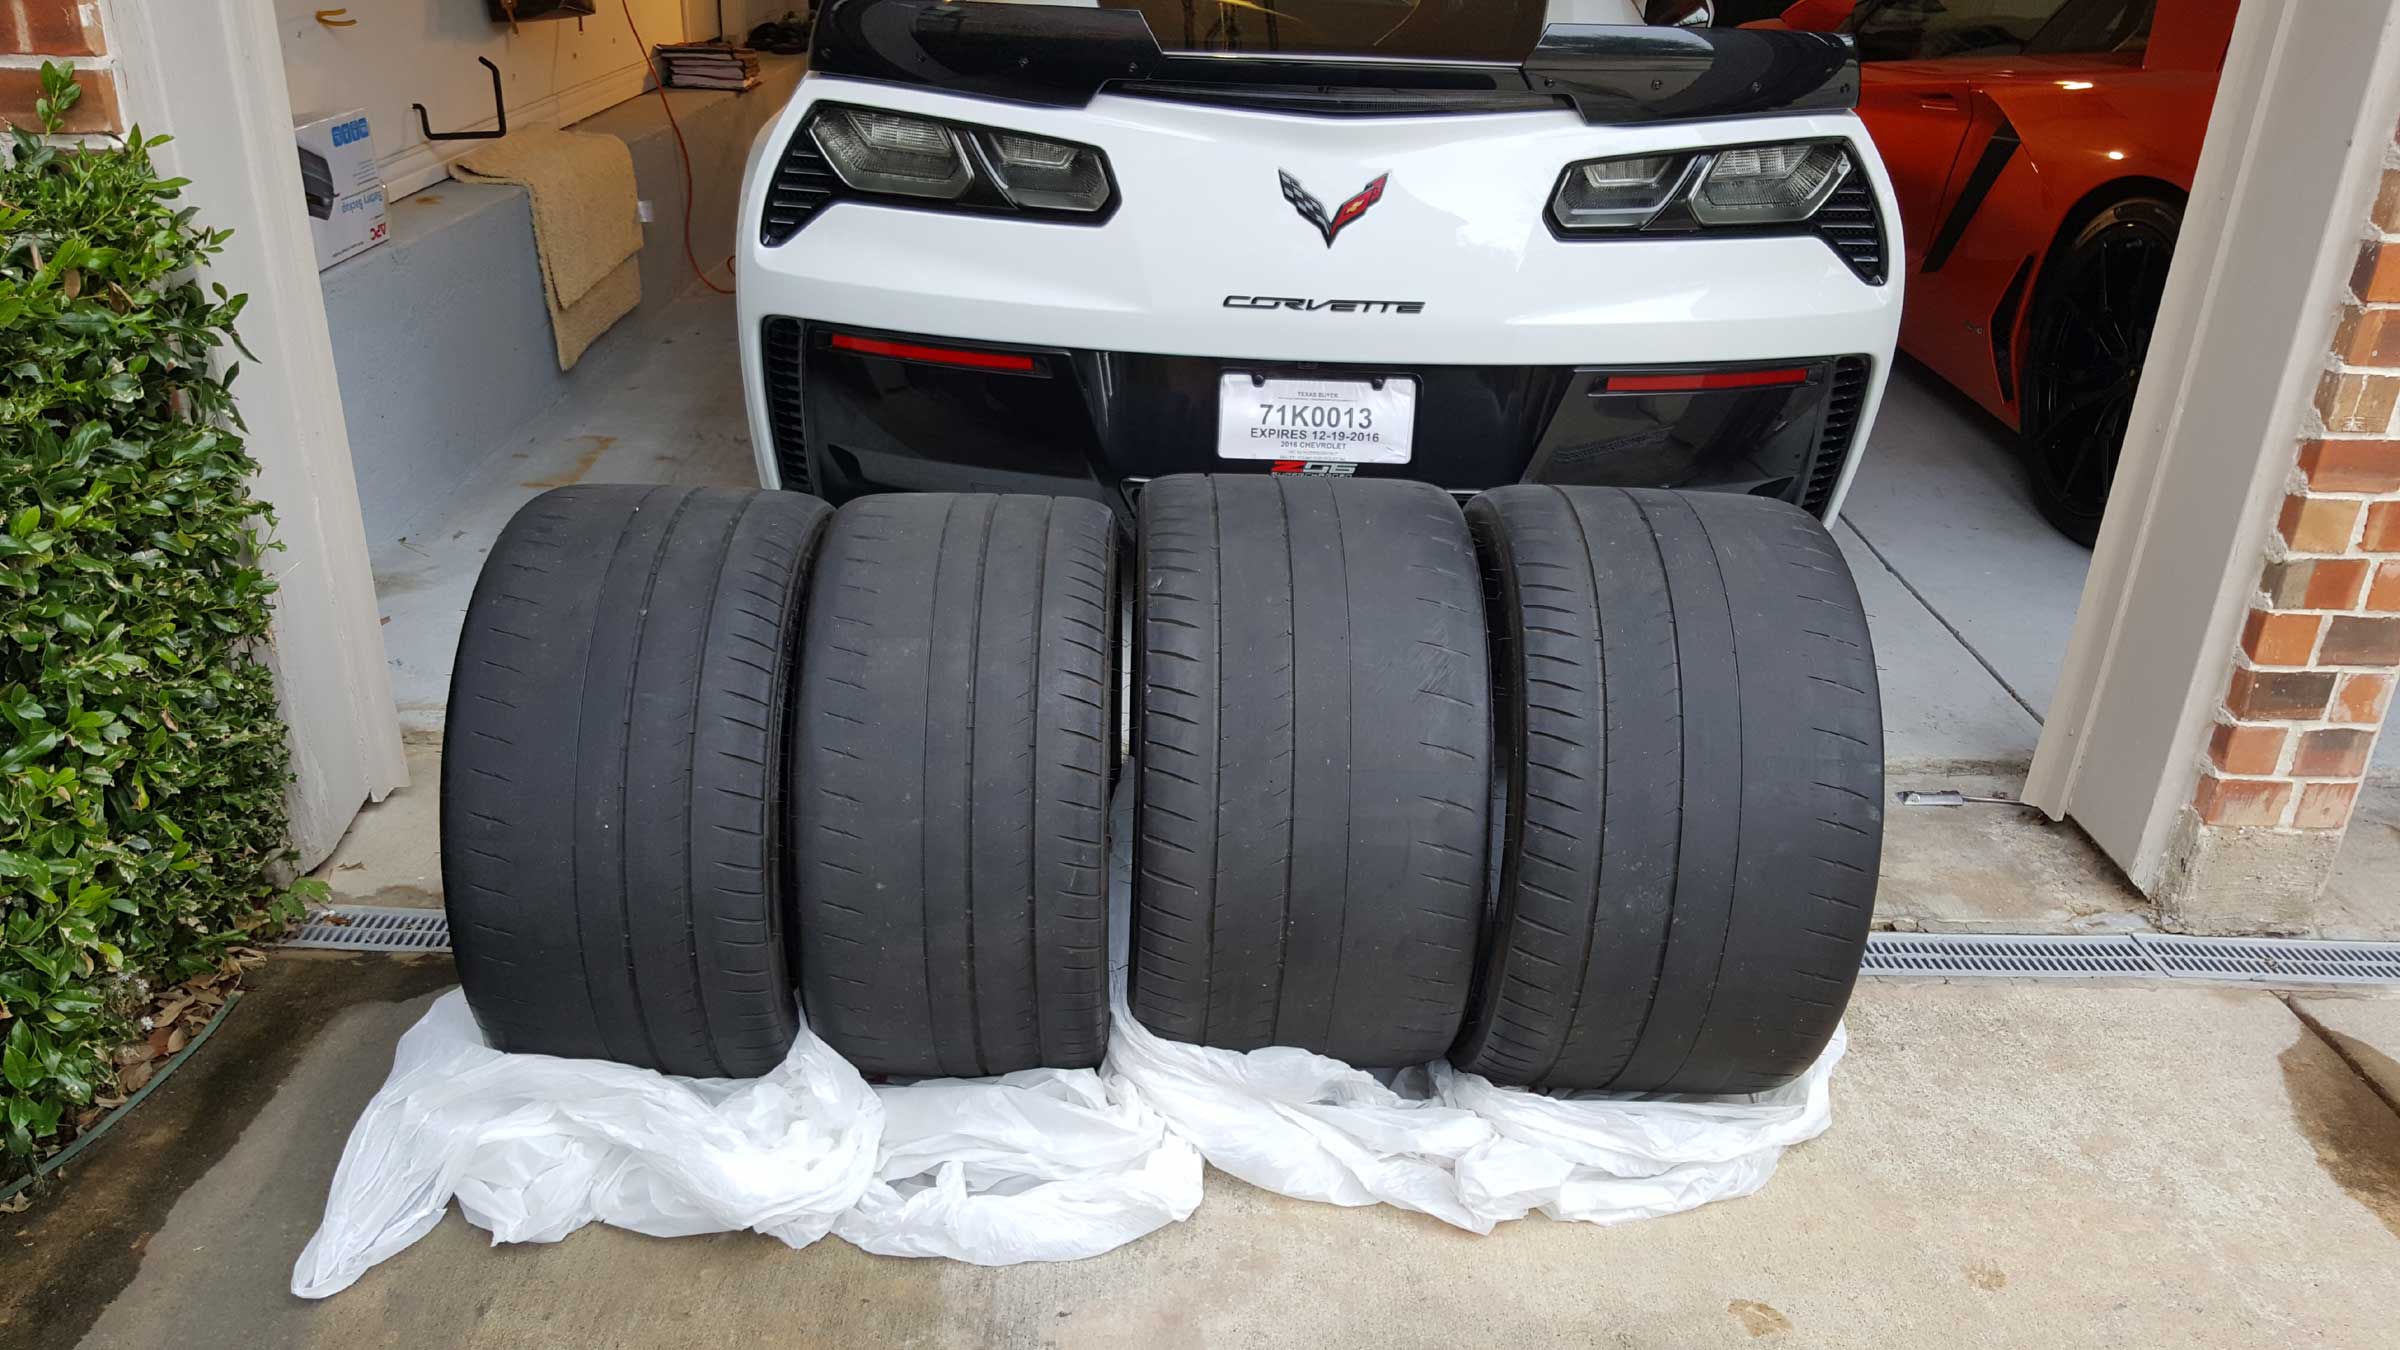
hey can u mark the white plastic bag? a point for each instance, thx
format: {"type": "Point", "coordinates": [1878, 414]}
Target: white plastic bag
{"type": "Point", "coordinates": [1458, 1147]}
{"type": "Point", "coordinates": [1044, 1165]}
{"type": "Point", "coordinates": [535, 1147]}
{"type": "Point", "coordinates": [1598, 1159]}
{"type": "Point", "coordinates": [1302, 1125]}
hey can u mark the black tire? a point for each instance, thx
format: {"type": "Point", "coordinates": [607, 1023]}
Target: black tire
{"type": "Point", "coordinates": [2093, 315]}
{"type": "Point", "coordinates": [950, 819]}
{"type": "Point", "coordinates": [1694, 768]}
{"type": "Point", "coordinates": [612, 777]}
{"type": "Point", "coordinates": [1313, 759]}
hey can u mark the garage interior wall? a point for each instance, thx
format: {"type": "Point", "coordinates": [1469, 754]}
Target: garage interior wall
{"type": "Point", "coordinates": [553, 71]}
{"type": "Point", "coordinates": [456, 408]}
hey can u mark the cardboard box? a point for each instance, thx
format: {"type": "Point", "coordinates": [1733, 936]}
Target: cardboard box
{"type": "Point", "coordinates": [351, 225]}
{"type": "Point", "coordinates": [337, 155]}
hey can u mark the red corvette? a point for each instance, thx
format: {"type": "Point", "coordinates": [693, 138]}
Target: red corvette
{"type": "Point", "coordinates": [2043, 151]}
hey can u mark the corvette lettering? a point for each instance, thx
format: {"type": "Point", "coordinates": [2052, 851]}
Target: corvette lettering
{"type": "Point", "coordinates": [1306, 305]}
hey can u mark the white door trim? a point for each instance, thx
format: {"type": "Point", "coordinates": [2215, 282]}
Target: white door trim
{"type": "Point", "coordinates": [2303, 120]}
{"type": "Point", "coordinates": [211, 73]}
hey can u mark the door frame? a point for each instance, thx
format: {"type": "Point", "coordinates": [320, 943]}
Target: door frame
{"type": "Point", "coordinates": [2296, 144]}
{"type": "Point", "coordinates": [211, 73]}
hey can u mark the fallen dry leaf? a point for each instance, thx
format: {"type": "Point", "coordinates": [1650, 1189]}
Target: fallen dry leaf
{"type": "Point", "coordinates": [16, 1204]}
{"type": "Point", "coordinates": [133, 1078]}
{"type": "Point", "coordinates": [176, 1040]}
{"type": "Point", "coordinates": [139, 1052]}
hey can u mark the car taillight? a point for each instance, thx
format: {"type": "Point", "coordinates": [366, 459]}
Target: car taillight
{"type": "Point", "coordinates": [1049, 174]}
{"type": "Point", "coordinates": [1700, 189]}
{"type": "Point", "coordinates": [1768, 184]}
{"type": "Point", "coordinates": [879, 153]}
{"type": "Point", "coordinates": [893, 152]}
{"type": "Point", "coordinates": [1619, 193]}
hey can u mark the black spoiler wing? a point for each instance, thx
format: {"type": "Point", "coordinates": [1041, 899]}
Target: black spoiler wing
{"type": "Point", "coordinates": [1062, 55]}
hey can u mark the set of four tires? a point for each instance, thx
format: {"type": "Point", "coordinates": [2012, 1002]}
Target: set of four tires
{"type": "Point", "coordinates": [1580, 787]}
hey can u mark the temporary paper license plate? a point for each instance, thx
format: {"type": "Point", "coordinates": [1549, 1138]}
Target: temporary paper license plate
{"type": "Point", "coordinates": [1323, 421]}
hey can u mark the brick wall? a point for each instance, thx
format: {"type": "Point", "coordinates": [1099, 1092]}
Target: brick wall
{"type": "Point", "coordinates": [32, 31]}
{"type": "Point", "coordinates": [2320, 650]}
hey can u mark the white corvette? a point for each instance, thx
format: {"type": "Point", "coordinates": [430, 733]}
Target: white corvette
{"type": "Point", "coordinates": [1070, 248]}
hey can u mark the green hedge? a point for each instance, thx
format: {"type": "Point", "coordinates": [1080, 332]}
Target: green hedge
{"type": "Point", "coordinates": [142, 760]}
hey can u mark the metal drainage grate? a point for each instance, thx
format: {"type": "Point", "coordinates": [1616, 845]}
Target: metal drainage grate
{"type": "Point", "coordinates": [2026, 957]}
{"type": "Point", "coordinates": [2274, 960]}
{"type": "Point", "coordinates": [369, 928]}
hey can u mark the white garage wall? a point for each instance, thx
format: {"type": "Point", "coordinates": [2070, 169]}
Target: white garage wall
{"type": "Point", "coordinates": [423, 51]}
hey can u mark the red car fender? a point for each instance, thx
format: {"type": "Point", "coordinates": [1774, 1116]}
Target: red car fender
{"type": "Point", "coordinates": [2051, 142]}
{"type": "Point", "coordinates": [2078, 144]}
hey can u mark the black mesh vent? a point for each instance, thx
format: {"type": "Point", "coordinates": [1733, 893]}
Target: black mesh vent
{"type": "Point", "coordinates": [781, 347]}
{"type": "Point", "coordinates": [1843, 405]}
{"type": "Point", "coordinates": [803, 182]}
{"type": "Point", "coordinates": [1849, 223]}
{"type": "Point", "coordinates": [2003, 330]}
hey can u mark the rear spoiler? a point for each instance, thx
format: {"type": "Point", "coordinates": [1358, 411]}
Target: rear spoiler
{"type": "Point", "coordinates": [1063, 55]}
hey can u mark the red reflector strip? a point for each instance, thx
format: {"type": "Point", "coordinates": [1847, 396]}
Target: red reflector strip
{"type": "Point", "coordinates": [1715, 379]}
{"type": "Point", "coordinates": [940, 356]}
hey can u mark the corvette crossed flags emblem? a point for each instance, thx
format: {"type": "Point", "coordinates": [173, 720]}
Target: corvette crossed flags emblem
{"type": "Point", "coordinates": [1313, 211]}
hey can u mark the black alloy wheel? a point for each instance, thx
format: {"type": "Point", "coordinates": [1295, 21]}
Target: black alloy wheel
{"type": "Point", "coordinates": [2091, 334]}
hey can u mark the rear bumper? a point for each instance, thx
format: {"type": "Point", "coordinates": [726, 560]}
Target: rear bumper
{"type": "Point", "coordinates": [1090, 423]}
{"type": "Point", "coordinates": [1455, 275]}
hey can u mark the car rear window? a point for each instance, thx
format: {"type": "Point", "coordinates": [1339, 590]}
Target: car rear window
{"type": "Point", "coordinates": [1451, 30]}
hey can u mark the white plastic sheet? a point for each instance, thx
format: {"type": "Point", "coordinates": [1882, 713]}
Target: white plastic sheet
{"type": "Point", "coordinates": [1044, 1165]}
{"type": "Point", "coordinates": [1458, 1147]}
{"type": "Point", "coordinates": [534, 1148]}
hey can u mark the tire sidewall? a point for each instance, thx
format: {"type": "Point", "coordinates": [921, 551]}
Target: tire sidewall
{"type": "Point", "coordinates": [2157, 214]}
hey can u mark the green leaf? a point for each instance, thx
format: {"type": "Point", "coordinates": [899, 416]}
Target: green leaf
{"type": "Point", "coordinates": [18, 1067]}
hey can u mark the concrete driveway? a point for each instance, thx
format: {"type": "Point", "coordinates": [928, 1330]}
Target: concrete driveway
{"type": "Point", "coordinates": [2010, 1165]}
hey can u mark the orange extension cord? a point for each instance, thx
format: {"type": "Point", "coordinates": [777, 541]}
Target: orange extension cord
{"type": "Point", "coordinates": [682, 150]}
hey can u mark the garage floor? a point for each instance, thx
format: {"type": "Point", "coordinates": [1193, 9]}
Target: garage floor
{"type": "Point", "coordinates": [1970, 593]}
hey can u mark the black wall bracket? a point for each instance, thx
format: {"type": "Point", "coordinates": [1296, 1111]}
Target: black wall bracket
{"type": "Point", "coordinates": [499, 112]}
